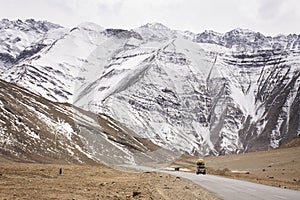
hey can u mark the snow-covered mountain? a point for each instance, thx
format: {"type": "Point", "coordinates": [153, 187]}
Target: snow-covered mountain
{"type": "Point", "coordinates": [20, 40]}
{"type": "Point", "coordinates": [247, 40]}
{"type": "Point", "coordinates": [207, 93]}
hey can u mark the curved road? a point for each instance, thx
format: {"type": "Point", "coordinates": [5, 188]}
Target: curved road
{"type": "Point", "coordinates": [232, 189]}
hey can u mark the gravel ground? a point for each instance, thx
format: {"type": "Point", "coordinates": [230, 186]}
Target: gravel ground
{"type": "Point", "coordinates": [43, 181]}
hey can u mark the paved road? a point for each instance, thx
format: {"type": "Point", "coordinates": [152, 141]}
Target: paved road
{"type": "Point", "coordinates": [232, 189]}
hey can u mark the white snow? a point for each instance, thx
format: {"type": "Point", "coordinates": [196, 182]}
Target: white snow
{"type": "Point", "coordinates": [64, 128]}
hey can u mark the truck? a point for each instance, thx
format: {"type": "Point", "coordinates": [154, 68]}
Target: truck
{"type": "Point", "coordinates": [201, 169]}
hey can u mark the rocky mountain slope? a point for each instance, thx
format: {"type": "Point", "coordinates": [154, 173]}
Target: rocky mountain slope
{"type": "Point", "coordinates": [34, 129]}
{"type": "Point", "coordinates": [207, 93]}
{"type": "Point", "coordinates": [20, 40]}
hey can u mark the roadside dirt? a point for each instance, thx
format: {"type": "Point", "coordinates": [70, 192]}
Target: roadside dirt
{"type": "Point", "coordinates": [280, 167]}
{"type": "Point", "coordinates": [43, 181]}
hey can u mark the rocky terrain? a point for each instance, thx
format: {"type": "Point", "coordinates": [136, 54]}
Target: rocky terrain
{"type": "Point", "coordinates": [36, 181]}
{"type": "Point", "coordinates": [203, 94]}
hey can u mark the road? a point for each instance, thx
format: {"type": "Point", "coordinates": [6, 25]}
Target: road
{"type": "Point", "coordinates": [232, 189]}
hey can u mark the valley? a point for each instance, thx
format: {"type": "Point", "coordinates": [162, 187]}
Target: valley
{"type": "Point", "coordinates": [89, 99]}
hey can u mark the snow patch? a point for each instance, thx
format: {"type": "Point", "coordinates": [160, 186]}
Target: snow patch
{"type": "Point", "coordinates": [64, 128]}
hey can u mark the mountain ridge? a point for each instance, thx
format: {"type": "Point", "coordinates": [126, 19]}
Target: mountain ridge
{"type": "Point", "coordinates": [36, 130]}
{"type": "Point", "coordinates": [203, 94]}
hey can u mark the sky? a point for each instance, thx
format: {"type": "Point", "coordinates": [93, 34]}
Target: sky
{"type": "Point", "coordinates": [270, 17]}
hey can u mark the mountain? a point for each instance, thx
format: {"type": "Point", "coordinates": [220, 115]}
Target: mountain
{"type": "Point", "coordinates": [20, 40]}
{"type": "Point", "coordinates": [207, 93]}
{"type": "Point", "coordinates": [34, 129]}
{"type": "Point", "coordinates": [247, 40]}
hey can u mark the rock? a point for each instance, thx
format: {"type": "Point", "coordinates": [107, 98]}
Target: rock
{"type": "Point", "coordinates": [135, 193]}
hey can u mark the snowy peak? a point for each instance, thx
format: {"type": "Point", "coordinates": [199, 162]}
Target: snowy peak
{"type": "Point", "coordinates": [248, 40]}
{"type": "Point", "coordinates": [240, 31]}
{"type": "Point", "coordinates": [156, 32]}
{"type": "Point", "coordinates": [155, 26]}
{"type": "Point", "coordinates": [90, 26]}
{"type": "Point", "coordinates": [28, 25]}
{"type": "Point", "coordinates": [209, 36]}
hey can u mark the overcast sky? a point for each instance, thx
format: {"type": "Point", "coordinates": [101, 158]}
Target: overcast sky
{"type": "Point", "coordinates": [270, 17]}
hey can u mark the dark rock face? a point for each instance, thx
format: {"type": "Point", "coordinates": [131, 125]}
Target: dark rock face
{"type": "Point", "coordinates": [29, 51]}
{"type": "Point", "coordinates": [7, 59]}
{"type": "Point", "coordinates": [120, 33]}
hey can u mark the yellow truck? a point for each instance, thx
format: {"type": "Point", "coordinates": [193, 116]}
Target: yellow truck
{"type": "Point", "coordinates": [201, 169]}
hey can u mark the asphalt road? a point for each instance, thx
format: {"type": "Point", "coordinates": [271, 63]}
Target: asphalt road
{"type": "Point", "coordinates": [232, 189]}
